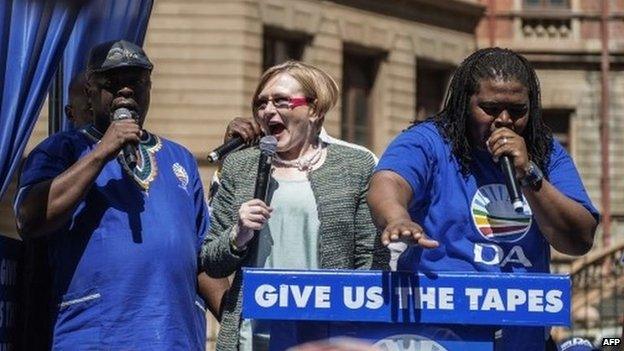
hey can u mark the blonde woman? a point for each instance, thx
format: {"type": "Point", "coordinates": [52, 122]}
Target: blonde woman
{"type": "Point", "coordinates": [318, 217]}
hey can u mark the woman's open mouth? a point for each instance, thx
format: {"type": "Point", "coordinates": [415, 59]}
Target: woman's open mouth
{"type": "Point", "coordinates": [276, 128]}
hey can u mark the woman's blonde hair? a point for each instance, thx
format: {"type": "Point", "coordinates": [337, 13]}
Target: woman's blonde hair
{"type": "Point", "coordinates": [317, 85]}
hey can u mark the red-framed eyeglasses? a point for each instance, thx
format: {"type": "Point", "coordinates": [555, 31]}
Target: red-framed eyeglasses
{"type": "Point", "coordinates": [281, 102]}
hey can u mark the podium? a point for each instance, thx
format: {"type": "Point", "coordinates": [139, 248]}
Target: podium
{"type": "Point", "coordinates": [405, 310]}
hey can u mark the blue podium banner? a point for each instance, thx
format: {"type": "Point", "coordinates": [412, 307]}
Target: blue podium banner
{"type": "Point", "coordinates": [402, 297]}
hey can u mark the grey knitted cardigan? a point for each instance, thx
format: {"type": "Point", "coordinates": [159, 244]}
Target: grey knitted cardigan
{"type": "Point", "coordinates": [347, 237]}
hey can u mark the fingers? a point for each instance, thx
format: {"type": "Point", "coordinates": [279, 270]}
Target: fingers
{"type": "Point", "coordinates": [257, 202]}
{"type": "Point", "coordinates": [500, 137]}
{"type": "Point", "coordinates": [408, 232]}
{"type": "Point", "coordinates": [127, 131]}
{"type": "Point", "coordinates": [504, 141]}
{"type": "Point", "coordinates": [118, 134]}
{"type": "Point", "coordinates": [506, 147]}
{"type": "Point", "coordinates": [246, 128]}
{"type": "Point", "coordinates": [254, 214]}
{"type": "Point", "coordinates": [247, 224]}
{"type": "Point", "coordinates": [428, 243]}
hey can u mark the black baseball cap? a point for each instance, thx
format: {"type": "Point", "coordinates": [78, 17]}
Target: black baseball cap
{"type": "Point", "coordinates": [116, 54]}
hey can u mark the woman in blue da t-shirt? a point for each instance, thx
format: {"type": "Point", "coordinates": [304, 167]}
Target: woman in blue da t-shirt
{"type": "Point", "coordinates": [439, 184]}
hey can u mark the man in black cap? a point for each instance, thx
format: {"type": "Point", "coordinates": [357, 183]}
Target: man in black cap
{"type": "Point", "coordinates": [124, 213]}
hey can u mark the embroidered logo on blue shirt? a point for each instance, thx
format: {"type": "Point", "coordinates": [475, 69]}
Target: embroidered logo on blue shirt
{"type": "Point", "coordinates": [181, 174]}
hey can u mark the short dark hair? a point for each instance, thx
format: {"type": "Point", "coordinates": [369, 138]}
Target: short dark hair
{"type": "Point", "coordinates": [492, 63]}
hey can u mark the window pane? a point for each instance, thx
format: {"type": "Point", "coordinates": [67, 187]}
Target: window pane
{"type": "Point", "coordinates": [431, 83]}
{"type": "Point", "coordinates": [358, 77]}
{"type": "Point", "coordinates": [558, 3]}
{"type": "Point", "coordinates": [532, 3]}
{"type": "Point", "coordinates": [558, 120]}
{"type": "Point", "coordinates": [278, 49]}
{"type": "Point", "coordinates": [361, 118]}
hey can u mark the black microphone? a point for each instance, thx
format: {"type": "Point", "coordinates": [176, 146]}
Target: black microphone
{"type": "Point", "coordinates": [225, 149]}
{"type": "Point", "coordinates": [268, 146]}
{"type": "Point", "coordinates": [129, 150]}
{"type": "Point", "coordinates": [513, 187]}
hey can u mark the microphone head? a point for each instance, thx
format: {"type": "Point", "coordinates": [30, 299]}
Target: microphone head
{"type": "Point", "coordinates": [122, 113]}
{"type": "Point", "coordinates": [268, 145]}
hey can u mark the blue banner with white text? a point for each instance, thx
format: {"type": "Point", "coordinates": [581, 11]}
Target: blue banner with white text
{"type": "Point", "coordinates": [400, 297]}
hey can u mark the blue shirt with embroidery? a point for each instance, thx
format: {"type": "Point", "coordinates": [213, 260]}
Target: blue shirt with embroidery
{"type": "Point", "coordinates": [471, 216]}
{"type": "Point", "coordinates": [124, 268]}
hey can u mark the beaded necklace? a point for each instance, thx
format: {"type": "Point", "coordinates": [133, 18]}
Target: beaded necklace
{"type": "Point", "coordinates": [303, 163]}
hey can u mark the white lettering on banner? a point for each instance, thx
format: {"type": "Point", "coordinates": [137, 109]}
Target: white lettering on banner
{"type": "Point", "coordinates": [322, 297]}
{"type": "Point", "coordinates": [403, 294]}
{"type": "Point", "coordinates": [553, 300]}
{"type": "Point", "coordinates": [536, 303]}
{"type": "Point", "coordinates": [446, 298]}
{"type": "Point", "coordinates": [515, 297]}
{"type": "Point", "coordinates": [497, 256]}
{"type": "Point", "coordinates": [374, 297]}
{"type": "Point", "coordinates": [301, 298]}
{"type": "Point", "coordinates": [492, 300]}
{"type": "Point", "coordinates": [428, 298]}
{"type": "Point", "coordinates": [283, 297]}
{"type": "Point", "coordinates": [473, 298]}
{"type": "Point", "coordinates": [267, 295]}
{"type": "Point", "coordinates": [359, 297]}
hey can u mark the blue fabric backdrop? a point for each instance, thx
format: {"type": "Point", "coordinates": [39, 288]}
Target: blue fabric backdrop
{"type": "Point", "coordinates": [34, 34]}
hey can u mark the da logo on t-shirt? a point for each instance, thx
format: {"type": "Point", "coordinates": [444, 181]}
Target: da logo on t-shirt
{"type": "Point", "coordinates": [494, 216]}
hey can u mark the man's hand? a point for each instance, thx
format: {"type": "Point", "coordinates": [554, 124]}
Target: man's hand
{"type": "Point", "coordinates": [246, 128]}
{"type": "Point", "coordinates": [408, 232]}
{"type": "Point", "coordinates": [118, 134]}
